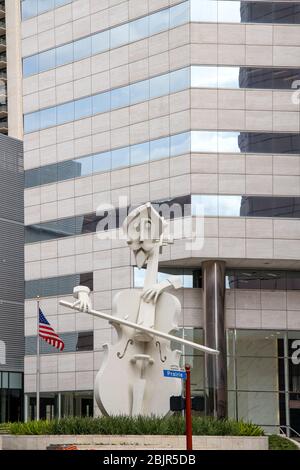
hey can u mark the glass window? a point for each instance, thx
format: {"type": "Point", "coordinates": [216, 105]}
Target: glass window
{"type": "Point", "coordinates": [101, 103]}
{"type": "Point", "coordinates": [179, 14]}
{"type": "Point", "coordinates": [119, 36]}
{"type": "Point", "coordinates": [83, 108]}
{"type": "Point", "coordinates": [119, 97]}
{"type": "Point", "coordinates": [29, 8]}
{"type": "Point", "coordinates": [139, 153]}
{"type": "Point", "coordinates": [102, 162]}
{"type": "Point", "coordinates": [229, 206]}
{"type": "Point", "coordinates": [208, 205]}
{"type": "Point", "coordinates": [159, 86]}
{"type": "Point", "coordinates": [4, 379]}
{"type": "Point", "coordinates": [45, 5]}
{"type": "Point", "coordinates": [31, 122]}
{"type": "Point", "coordinates": [64, 54]}
{"type": "Point", "coordinates": [179, 80]}
{"type": "Point", "coordinates": [48, 174]}
{"type": "Point", "coordinates": [46, 60]}
{"type": "Point", "coordinates": [85, 341]}
{"type": "Point", "coordinates": [119, 158]}
{"type": "Point", "coordinates": [180, 144]}
{"type": "Point", "coordinates": [139, 92]}
{"type": "Point", "coordinates": [47, 117]}
{"type": "Point", "coordinates": [85, 166]}
{"type": "Point", "coordinates": [159, 21]}
{"type": "Point", "coordinates": [32, 178]}
{"type": "Point", "coordinates": [65, 113]}
{"type": "Point", "coordinates": [206, 10]}
{"type": "Point", "coordinates": [202, 141]}
{"type": "Point", "coordinates": [100, 42]}
{"type": "Point", "coordinates": [160, 148]}
{"type": "Point", "coordinates": [15, 380]}
{"type": "Point", "coordinates": [229, 142]}
{"type": "Point", "coordinates": [204, 77]}
{"type": "Point", "coordinates": [82, 48]}
{"type": "Point", "coordinates": [30, 65]}
{"type": "Point", "coordinates": [138, 29]}
{"type": "Point", "coordinates": [230, 11]}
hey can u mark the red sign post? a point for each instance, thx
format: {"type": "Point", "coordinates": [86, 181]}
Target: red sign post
{"type": "Point", "coordinates": [188, 409]}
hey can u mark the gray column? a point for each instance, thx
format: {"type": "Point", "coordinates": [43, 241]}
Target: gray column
{"type": "Point", "coordinates": [213, 273]}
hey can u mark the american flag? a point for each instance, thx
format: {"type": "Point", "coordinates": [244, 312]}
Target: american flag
{"type": "Point", "coordinates": [48, 334]}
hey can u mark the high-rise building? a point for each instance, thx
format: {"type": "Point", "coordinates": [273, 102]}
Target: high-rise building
{"type": "Point", "coordinates": [11, 279]}
{"type": "Point", "coordinates": [187, 102]}
{"type": "Point", "coordinates": [11, 121]}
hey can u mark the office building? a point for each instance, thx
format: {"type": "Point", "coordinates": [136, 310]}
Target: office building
{"type": "Point", "coordinates": [191, 102]}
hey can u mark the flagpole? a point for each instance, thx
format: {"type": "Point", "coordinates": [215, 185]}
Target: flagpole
{"type": "Point", "coordinates": [38, 361]}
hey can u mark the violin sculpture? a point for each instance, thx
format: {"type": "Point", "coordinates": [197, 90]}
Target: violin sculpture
{"type": "Point", "coordinates": [130, 380]}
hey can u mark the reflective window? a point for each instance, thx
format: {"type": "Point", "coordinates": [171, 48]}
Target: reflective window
{"type": "Point", "coordinates": [31, 65]}
{"type": "Point", "coordinates": [245, 11]}
{"type": "Point", "coordinates": [102, 162]}
{"type": "Point", "coordinates": [119, 97]}
{"type": "Point", "coordinates": [180, 144]}
{"type": "Point", "coordinates": [159, 86]}
{"type": "Point", "coordinates": [160, 148]}
{"type": "Point", "coordinates": [55, 286]}
{"type": "Point", "coordinates": [47, 118]}
{"type": "Point", "coordinates": [114, 37]}
{"type": "Point", "coordinates": [101, 103]}
{"type": "Point", "coordinates": [119, 158]}
{"type": "Point", "coordinates": [139, 153]}
{"type": "Point", "coordinates": [119, 36]}
{"type": "Point", "coordinates": [139, 92]}
{"type": "Point", "coordinates": [179, 80]}
{"type": "Point", "coordinates": [82, 48]}
{"type": "Point", "coordinates": [74, 341]}
{"type": "Point", "coordinates": [83, 108]}
{"type": "Point", "coordinates": [64, 54]}
{"type": "Point", "coordinates": [32, 8]}
{"type": "Point", "coordinates": [65, 113]}
{"type": "Point", "coordinates": [46, 60]}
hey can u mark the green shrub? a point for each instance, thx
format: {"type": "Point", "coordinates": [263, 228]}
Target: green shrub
{"type": "Point", "coordinates": [174, 425]}
{"type": "Point", "coordinates": [281, 443]}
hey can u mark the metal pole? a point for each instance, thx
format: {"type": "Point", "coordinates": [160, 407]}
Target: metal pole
{"type": "Point", "coordinates": [38, 362]}
{"type": "Point", "coordinates": [286, 385]}
{"type": "Point", "coordinates": [188, 409]}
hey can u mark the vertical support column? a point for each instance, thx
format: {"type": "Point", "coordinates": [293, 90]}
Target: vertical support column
{"type": "Point", "coordinates": [213, 273]}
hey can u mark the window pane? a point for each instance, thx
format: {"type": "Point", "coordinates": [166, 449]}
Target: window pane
{"type": "Point", "coordinates": [180, 144]}
{"type": "Point", "coordinates": [206, 10]}
{"type": "Point", "coordinates": [229, 206]}
{"type": "Point", "coordinates": [101, 103]}
{"type": "Point", "coordinates": [29, 9]}
{"type": "Point", "coordinates": [139, 153]}
{"type": "Point", "coordinates": [32, 178]}
{"type": "Point", "coordinates": [31, 122]}
{"type": "Point", "coordinates": [179, 14]}
{"type": "Point", "coordinates": [83, 108]}
{"type": "Point", "coordinates": [85, 341]}
{"type": "Point", "coordinates": [120, 158]}
{"type": "Point", "coordinates": [30, 65]}
{"type": "Point", "coordinates": [204, 141]}
{"type": "Point", "coordinates": [64, 54]}
{"type": "Point", "coordinates": [139, 92]}
{"type": "Point", "coordinates": [85, 166]}
{"type": "Point", "coordinates": [139, 29]}
{"type": "Point", "coordinates": [102, 162]}
{"type": "Point", "coordinates": [119, 97]}
{"type": "Point", "coordinates": [47, 117]}
{"type": "Point", "coordinates": [159, 22]}
{"type": "Point", "coordinates": [65, 113]}
{"type": "Point", "coordinates": [45, 5]}
{"type": "Point", "coordinates": [119, 36]}
{"type": "Point", "coordinates": [179, 80]}
{"type": "Point", "coordinates": [204, 77]}
{"type": "Point", "coordinates": [100, 42]}
{"type": "Point", "coordinates": [230, 11]}
{"type": "Point", "coordinates": [15, 380]}
{"type": "Point", "coordinates": [48, 174]}
{"type": "Point", "coordinates": [209, 204]}
{"type": "Point", "coordinates": [229, 142]}
{"type": "Point", "coordinates": [159, 148]}
{"type": "Point", "coordinates": [47, 60]}
{"type": "Point", "coordinates": [159, 86]}
{"type": "Point", "coordinates": [82, 48]}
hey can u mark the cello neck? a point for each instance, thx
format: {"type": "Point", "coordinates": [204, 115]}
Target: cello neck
{"type": "Point", "coordinates": [152, 268]}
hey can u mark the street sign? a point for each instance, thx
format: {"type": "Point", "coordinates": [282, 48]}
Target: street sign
{"type": "Point", "coordinates": [175, 374]}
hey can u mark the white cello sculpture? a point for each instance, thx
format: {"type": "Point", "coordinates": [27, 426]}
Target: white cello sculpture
{"type": "Point", "coordinates": [130, 380]}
